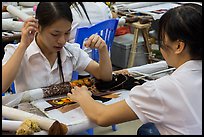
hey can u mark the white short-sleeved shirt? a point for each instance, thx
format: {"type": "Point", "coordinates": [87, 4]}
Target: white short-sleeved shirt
{"type": "Point", "coordinates": [97, 12]}
{"type": "Point", "coordinates": [35, 70]}
{"type": "Point", "coordinates": [173, 102]}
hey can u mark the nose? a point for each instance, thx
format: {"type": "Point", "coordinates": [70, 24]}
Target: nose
{"type": "Point", "coordinates": [62, 39]}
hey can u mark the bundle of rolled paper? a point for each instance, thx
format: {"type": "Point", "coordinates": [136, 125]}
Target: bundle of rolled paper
{"type": "Point", "coordinates": [33, 123]}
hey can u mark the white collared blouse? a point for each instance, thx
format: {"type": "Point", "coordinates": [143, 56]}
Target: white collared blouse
{"type": "Point", "coordinates": [35, 70]}
{"type": "Point", "coordinates": [173, 102]}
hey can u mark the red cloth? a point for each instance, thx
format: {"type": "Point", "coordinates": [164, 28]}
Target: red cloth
{"type": "Point", "coordinates": [122, 30]}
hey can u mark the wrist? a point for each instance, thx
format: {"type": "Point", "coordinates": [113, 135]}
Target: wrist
{"type": "Point", "coordinates": [103, 49]}
{"type": "Point", "coordinates": [85, 100]}
{"type": "Point", "coordinates": [22, 46]}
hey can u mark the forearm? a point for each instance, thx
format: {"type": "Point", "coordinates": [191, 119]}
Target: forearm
{"type": "Point", "coordinates": [93, 109]}
{"type": "Point", "coordinates": [10, 69]}
{"type": "Point", "coordinates": [105, 66]}
{"type": "Point", "coordinates": [106, 115]}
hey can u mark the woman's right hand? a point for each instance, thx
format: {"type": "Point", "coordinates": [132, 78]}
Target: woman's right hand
{"type": "Point", "coordinates": [28, 31]}
{"type": "Point", "coordinates": [122, 71]}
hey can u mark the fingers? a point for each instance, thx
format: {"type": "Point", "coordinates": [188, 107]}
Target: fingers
{"type": "Point", "coordinates": [30, 26]}
{"type": "Point", "coordinates": [30, 20]}
{"type": "Point", "coordinates": [76, 89]}
{"type": "Point", "coordinates": [123, 71]}
{"type": "Point", "coordinates": [95, 41]}
{"type": "Point", "coordinates": [78, 93]}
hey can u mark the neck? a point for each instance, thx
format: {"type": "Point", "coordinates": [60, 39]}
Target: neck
{"type": "Point", "coordinates": [182, 60]}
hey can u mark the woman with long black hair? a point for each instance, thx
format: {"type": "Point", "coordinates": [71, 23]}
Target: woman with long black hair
{"type": "Point", "coordinates": [44, 57]}
{"type": "Point", "coordinates": [171, 104]}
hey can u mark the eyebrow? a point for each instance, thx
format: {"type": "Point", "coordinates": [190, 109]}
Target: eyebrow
{"type": "Point", "coordinates": [60, 31]}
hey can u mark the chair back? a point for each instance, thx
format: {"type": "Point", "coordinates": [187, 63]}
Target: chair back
{"type": "Point", "coordinates": [11, 89]}
{"type": "Point", "coordinates": [106, 29]}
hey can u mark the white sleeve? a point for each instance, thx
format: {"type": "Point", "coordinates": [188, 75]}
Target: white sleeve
{"type": "Point", "coordinates": [105, 9]}
{"type": "Point", "coordinates": [9, 50]}
{"type": "Point", "coordinates": [80, 58]}
{"type": "Point", "coordinates": [83, 60]}
{"type": "Point", "coordinates": [75, 24]}
{"type": "Point", "coordinates": [146, 102]}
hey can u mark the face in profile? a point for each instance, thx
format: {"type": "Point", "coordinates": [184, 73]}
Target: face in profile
{"type": "Point", "coordinates": [167, 50]}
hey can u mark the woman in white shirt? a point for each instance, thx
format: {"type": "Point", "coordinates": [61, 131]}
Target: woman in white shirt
{"type": "Point", "coordinates": [173, 102]}
{"type": "Point", "coordinates": [86, 14]}
{"type": "Point", "coordinates": [43, 57]}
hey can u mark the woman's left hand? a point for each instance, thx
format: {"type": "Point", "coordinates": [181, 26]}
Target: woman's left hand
{"type": "Point", "coordinates": [95, 41]}
{"type": "Point", "coordinates": [79, 93]}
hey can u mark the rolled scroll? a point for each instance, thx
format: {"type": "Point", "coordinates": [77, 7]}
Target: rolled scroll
{"type": "Point", "coordinates": [135, 5]}
{"type": "Point", "coordinates": [132, 5]}
{"type": "Point", "coordinates": [6, 125]}
{"type": "Point", "coordinates": [28, 11]}
{"type": "Point", "coordinates": [51, 125]}
{"type": "Point", "coordinates": [6, 15]}
{"type": "Point", "coordinates": [9, 24]}
{"type": "Point", "coordinates": [15, 11]}
{"type": "Point", "coordinates": [39, 93]}
{"type": "Point", "coordinates": [28, 4]}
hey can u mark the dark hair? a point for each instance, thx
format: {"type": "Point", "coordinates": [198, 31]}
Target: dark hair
{"type": "Point", "coordinates": [75, 5]}
{"type": "Point", "coordinates": [49, 12]}
{"type": "Point", "coordinates": [183, 23]}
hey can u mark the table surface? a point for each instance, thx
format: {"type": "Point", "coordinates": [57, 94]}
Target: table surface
{"type": "Point", "coordinates": [76, 117]}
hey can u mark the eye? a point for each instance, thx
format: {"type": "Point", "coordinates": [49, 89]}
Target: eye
{"type": "Point", "coordinates": [55, 35]}
{"type": "Point", "coordinates": [67, 33]}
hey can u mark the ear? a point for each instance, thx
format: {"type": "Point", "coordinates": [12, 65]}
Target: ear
{"type": "Point", "coordinates": [179, 47]}
{"type": "Point", "coordinates": [39, 29]}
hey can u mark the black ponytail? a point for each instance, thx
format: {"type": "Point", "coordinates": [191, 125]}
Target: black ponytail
{"type": "Point", "coordinates": [75, 4]}
{"type": "Point", "coordinates": [59, 61]}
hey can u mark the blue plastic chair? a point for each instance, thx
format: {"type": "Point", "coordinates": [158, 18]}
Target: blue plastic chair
{"type": "Point", "coordinates": [12, 88]}
{"type": "Point", "coordinates": [106, 29]}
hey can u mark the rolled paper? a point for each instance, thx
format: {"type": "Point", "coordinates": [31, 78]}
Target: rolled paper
{"type": "Point", "coordinates": [135, 5]}
{"type": "Point", "coordinates": [16, 114]}
{"type": "Point", "coordinates": [28, 11]}
{"type": "Point", "coordinates": [28, 4]}
{"type": "Point", "coordinates": [13, 125]}
{"type": "Point", "coordinates": [12, 100]}
{"type": "Point", "coordinates": [6, 15]}
{"type": "Point", "coordinates": [31, 95]}
{"type": "Point", "coordinates": [26, 96]}
{"type": "Point", "coordinates": [10, 125]}
{"type": "Point", "coordinates": [15, 11]}
{"type": "Point", "coordinates": [149, 68]}
{"type": "Point", "coordinates": [9, 24]}
{"type": "Point", "coordinates": [39, 93]}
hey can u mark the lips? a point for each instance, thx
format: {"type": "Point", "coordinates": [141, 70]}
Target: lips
{"type": "Point", "coordinates": [58, 48]}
